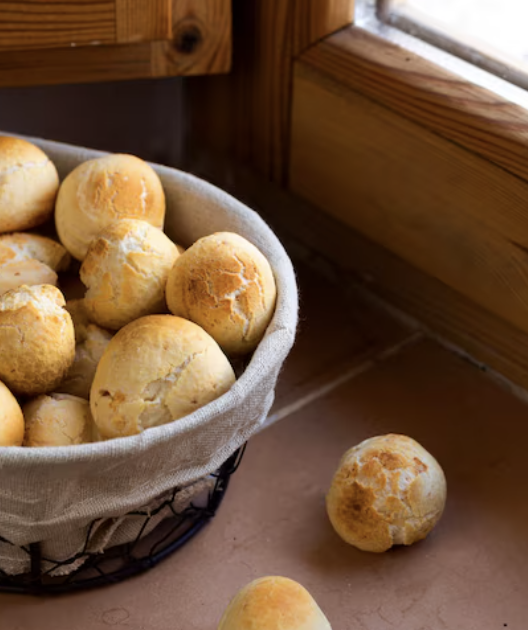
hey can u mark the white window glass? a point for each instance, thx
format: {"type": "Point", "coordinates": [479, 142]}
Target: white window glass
{"type": "Point", "coordinates": [490, 33]}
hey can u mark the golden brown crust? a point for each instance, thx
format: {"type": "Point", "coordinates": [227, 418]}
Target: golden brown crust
{"type": "Point", "coordinates": [273, 603]}
{"type": "Point", "coordinates": [28, 185]}
{"type": "Point", "coordinates": [126, 270]}
{"type": "Point", "coordinates": [57, 420]}
{"type": "Point", "coordinates": [102, 191]}
{"type": "Point", "coordinates": [387, 490]}
{"type": "Point", "coordinates": [37, 341]}
{"type": "Point", "coordinates": [11, 419]}
{"type": "Point", "coordinates": [90, 343]}
{"type": "Point", "coordinates": [20, 246]}
{"type": "Point", "coordinates": [155, 370]}
{"type": "Point", "coordinates": [25, 272]}
{"type": "Point", "coordinates": [226, 285]}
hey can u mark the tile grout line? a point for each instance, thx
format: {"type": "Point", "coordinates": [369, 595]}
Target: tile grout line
{"type": "Point", "coordinates": [428, 333]}
{"type": "Point", "coordinates": [499, 379]}
{"type": "Point", "coordinates": [362, 287]}
{"type": "Point", "coordinates": [350, 374]}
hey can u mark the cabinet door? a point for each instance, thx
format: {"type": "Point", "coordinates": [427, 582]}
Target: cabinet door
{"type": "Point", "coordinates": [74, 41]}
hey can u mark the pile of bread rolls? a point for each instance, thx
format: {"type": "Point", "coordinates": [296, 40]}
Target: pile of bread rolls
{"type": "Point", "coordinates": [153, 337]}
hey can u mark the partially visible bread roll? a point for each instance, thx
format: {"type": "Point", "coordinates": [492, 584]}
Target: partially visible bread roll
{"type": "Point", "coordinates": [37, 341]}
{"type": "Point", "coordinates": [57, 420]}
{"type": "Point", "coordinates": [155, 370]}
{"type": "Point", "coordinates": [387, 491]}
{"type": "Point", "coordinates": [273, 603]}
{"type": "Point", "coordinates": [224, 284]}
{"type": "Point", "coordinates": [28, 185]}
{"type": "Point", "coordinates": [102, 191]}
{"type": "Point", "coordinates": [22, 246]}
{"type": "Point", "coordinates": [25, 272]}
{"type": "Point", "coordinates": [90, 344]}
{"type": "Point", "coordinates": [125, 271]}
{"type": "Point", "coordinates": [11, 419]}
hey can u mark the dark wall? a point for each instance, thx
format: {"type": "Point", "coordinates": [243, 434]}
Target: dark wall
{"type": "Point", "coordinates": [144, 118]}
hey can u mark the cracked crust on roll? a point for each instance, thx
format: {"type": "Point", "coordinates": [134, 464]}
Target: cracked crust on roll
{"type": "Point", "coordinates": [90, 343]}
{"type": "Point", "coordinates": [58, 420]}
{"type": "Point", "coordinates": [155, 370]}
{"type": "Point", "coordinates": [273, 603]}
{"type": "Point", "coordinates": [11, 419]}
{"type": "Point", "coordinates": [28, 185]}
{"type": "Point", "coordinates": [37, 340]}
{"type": "Point", "coordinates": [387, 491]}
{"type": "Point", "coordinates": [226, 285]}
{"type": "Point", "coordinates": [102, 191]}
{"type": "Point", "coordinates": [21, 246]}
{"type": "Point", "coordinates": [125, 272]}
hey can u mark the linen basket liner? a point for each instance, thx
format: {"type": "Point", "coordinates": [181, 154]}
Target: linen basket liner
{"type": "Point", "coordinates": [51, 495]}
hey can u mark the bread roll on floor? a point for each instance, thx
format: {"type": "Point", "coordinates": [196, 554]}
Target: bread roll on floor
{"type": "Point", "coordinates": [387, 491]}
{"type": "Point", "coordinates": [273, 603]}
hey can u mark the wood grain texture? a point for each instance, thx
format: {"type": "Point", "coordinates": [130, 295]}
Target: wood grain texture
{"type": "Point", "coordinates": [201, 39]}
{"type": "Point", "coordinates": [427, 94]}
{"type": "Point", "coordinates": [448, 212]}
{"type": "Point", "coordinates": [143, 20]}
{"type": "Point", "coordinates": [488, 339]}
{"type": "Point", "coordinates": [445, 312]}
{"type": "Point", "coordinates": [314, 20]}
{"type": "Point", "coordinates": [253, 120]}
{"type": "Point", "coordinates": [201, 44]}
{"type": "Point", "coordinates": [350, 259]}
{"type": "Point", "coordinates": [36, 24]}
{"type": "Point", "coordinates": [78, 65]}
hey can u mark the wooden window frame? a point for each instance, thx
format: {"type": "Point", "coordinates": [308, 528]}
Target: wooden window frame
{"type": "Point", "coordinates": [471, 283]}
{"type": "Point", "coordinates": [247, 114]}
{"type": "Point", "coordinates": [478, 53]}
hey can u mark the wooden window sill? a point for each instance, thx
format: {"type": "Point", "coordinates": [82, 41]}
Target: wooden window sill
{"type": "Point", "coordinates": [475, 118]}
{"type": "Point", "coordinates": [428, 166]}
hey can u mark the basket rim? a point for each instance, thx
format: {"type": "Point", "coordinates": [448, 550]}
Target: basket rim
{"type": "Point", "coordinates": [278, 338]}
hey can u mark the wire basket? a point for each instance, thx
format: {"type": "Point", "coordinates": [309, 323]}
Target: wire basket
{"type": "Point", "coordinates": [123, 561]}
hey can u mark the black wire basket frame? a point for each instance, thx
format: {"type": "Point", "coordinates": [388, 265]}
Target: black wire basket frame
{"type": "Point", "coordinates": [123, 561]}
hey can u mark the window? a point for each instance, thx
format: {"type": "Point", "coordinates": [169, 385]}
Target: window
{"type": "Point", "coordinates": [416, 149]}
{"type": "Point", "coordinates": [508, 79]}
{"type": "Point", "coordinates": [488, 33]}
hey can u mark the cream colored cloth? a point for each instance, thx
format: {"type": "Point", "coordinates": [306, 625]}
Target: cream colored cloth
{"type": "Point", "coordinates": [53, 494]}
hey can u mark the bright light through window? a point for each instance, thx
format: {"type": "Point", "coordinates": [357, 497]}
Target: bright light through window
{"type": "Point", "coordinates": [495, 29]}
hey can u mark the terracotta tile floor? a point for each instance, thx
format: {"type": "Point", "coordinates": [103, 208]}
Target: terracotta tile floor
{"type": "Point", "coordinates": [335, 335]}
{"type": "Point", "coordinates": [470, 574]}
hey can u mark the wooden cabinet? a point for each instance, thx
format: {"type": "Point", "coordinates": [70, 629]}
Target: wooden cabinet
{"type": "Point", "coordinates": [73, 41]}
